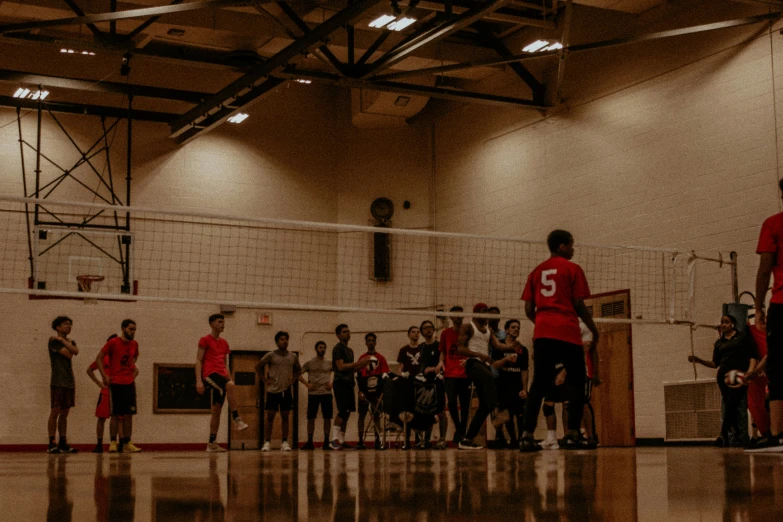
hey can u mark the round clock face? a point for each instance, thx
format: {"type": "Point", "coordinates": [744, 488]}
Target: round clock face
{"type": "Point", "coordinates": [382, 208]}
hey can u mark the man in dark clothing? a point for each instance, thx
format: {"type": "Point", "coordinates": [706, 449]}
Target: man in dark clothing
{"type": "Point", "coordinates": [63, 386]}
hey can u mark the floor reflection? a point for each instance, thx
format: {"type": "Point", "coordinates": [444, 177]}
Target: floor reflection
{"type": "Point", "coordinates": [606, 485]}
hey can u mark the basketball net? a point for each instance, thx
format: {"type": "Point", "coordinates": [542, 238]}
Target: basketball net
{"type": "Point", "coordinates": [89, 284]}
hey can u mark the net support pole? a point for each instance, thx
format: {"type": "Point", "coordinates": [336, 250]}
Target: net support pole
{"type": "Point", "coordinates": [734, 277]}
{"type": "Point", "coordinates": [673, 296]}
{"type": "Point", "coordinates": [692, 288]}
{"type": "Point", "coordinates": [693, 353]}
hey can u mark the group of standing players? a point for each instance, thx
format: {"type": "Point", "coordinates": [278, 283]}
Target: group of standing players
{"type": "Point", "coordinates": [471, 352]}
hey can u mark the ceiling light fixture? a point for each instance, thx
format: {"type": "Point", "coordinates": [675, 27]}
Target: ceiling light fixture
{"type": "Point", "coordinates": [71, 51]}
{"type": "Point", "coordinates": [302, 80]}
{"type": "Point", "coordinates": [402, 23]}
{"type": "Point", "coordinates": [382, 20]}
{"type": "Point", "coordinates": [541, 46]}
{"type": "Point", "coordinates": [26, 94]}
{"type": "Point", "coordinates": [238, 118]}
{"type": "Point", "coordinates": [535, 46]}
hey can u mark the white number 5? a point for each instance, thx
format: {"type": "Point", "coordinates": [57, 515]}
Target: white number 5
{"type": "Point", "coordinates": [549, 288]}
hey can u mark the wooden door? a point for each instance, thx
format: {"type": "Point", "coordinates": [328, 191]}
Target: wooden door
{"type": "Point", "coordinates": [613, 402]}
{"type": "Point", "coordinates": [249, 404]}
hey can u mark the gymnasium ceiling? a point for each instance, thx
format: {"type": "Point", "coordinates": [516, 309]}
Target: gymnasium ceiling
{"type": "Point", "coordinates": [194, 63]}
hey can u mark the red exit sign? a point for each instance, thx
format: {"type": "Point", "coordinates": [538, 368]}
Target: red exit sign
{"type": "Point", "coordinates": [265, 319]}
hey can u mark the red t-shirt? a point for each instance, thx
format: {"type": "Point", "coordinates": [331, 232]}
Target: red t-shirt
{"type": "Point", "coordinates": [553, 286]}
{"type": "Point", "coordinates": [122, 355]}
{"type": "Point", "coordinates": [771, 242]}
{"type": "Point", "coordinates": [380, 369]}
{"type": "Point", "coordinates": [452, 360]}
{"type": "Point", "coordinates": [215, 351]}
{"type": "Point", "coordinates": [94, 365]}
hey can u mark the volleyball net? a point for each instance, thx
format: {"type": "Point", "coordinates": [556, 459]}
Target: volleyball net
{"type": "Point", "coordinates": [178, 256]}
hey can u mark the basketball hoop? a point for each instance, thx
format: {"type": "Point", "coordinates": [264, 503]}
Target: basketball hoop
{"type": "Point", "coordinates": [89, 284]}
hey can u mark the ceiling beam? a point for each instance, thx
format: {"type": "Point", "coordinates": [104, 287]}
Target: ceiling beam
{"type": "Point", "coordinates": [100, 86]}
{"type": "Point", "coordinates": [406, 88]}
{"type": "Point", "coordinates": [248, 82]}
{"type": "Point", "coordinates": [323, 49]}
{"type": "Point", "coordinates": [222, 113]}
{"type": "Point", "coordinates": [138, 30]}
{"type": "Point", "coordinates": [584, 47]}
{"type": "Point", "coordinates": [495, 17]}
{"type": "Point", "coordinates": [89, 110]}
{"type": "Point", "coordinates": [78, 10]}
{"type": "Point", "coordinates": [122, 15]}
{"type": "Point", "coordinates": [493, 42]}
{"type": "Point", "coordinates": [431, 35]}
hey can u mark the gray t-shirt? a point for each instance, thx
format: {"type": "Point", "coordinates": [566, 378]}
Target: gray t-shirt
{"type": "Point", "coordinates": [319, 375]}
{"type": "Point", "coordinates": [62, 369]}
{"type": "Point", "coordinates": [282, 367]}
{"type": "Point", "coordinates": [345, 354]}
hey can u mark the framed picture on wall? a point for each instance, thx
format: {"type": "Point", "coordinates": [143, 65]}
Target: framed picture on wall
{"type": "Point", "coordinates": [174, 390]}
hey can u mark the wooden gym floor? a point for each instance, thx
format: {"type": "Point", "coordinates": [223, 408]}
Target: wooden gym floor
{"type": "Point", "coordinates": [651, 484]}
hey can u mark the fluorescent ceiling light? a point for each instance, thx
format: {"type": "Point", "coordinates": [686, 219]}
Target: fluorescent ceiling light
{"type": "Point", "coordinates": [238, 118]}
{"type": "Point", "coordinates": [71, 51]}
{"type": "Point", "coordinates": [24, 93]}
{"type": "Point", "coordinates": [535, 46]}
{"type": "Point", "coordinates": [302, 80]}
{"type": "Point", "coordinates": [400, 24]}
{"type": "Point", "coordinates": [382, 20]}
{"type": "Point", "coordinates": [554, 47]}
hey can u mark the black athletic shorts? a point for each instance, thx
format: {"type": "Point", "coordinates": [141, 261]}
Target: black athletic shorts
{"type": "Point", "coordinates": [344, 396]}
{"type": "Point", "coordinates": [123, 399]}
{"type": "Point", "coordinates": [322, 401]}
{"type": "Point", "coordinates": [556, 394]}
{"type": "Point", "coordinates": [775, 351]}
{"type": "Point", "coordinates": [217, 384]}
{"type": "Point", "coordinates": [283, 401]}
{"type": "Point", "coordinates": [508, 395]}
{"type": "Point", "coordinates": [364, 406]}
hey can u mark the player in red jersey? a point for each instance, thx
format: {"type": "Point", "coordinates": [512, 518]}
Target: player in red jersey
{"type": "Point", "coordinates": [103, 410]}
{"type": "Point", "coordinates": [455, 376]}
{"type": "Point", "coordinates": [211, 368]}
{"type": "Point", "coordinates": [122, 352]}
{"type": "Point", "coordinates": [770, 248]}
{"type": "Point", "coordinates": [554, 300]}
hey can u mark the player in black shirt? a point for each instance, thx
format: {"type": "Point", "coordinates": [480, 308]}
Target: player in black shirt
{"type": "Point", "coordinates": [512, 381]}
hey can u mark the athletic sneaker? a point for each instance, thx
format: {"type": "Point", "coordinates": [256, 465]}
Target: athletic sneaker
{"type": "Point", "coordinates": [529, 445]}
{"type": "Point", "coordinates": [65, 448]}
{"type": "Point", "coordinates": [440, 445]}
{"type": "Point", "coordinates": [214, 447]}
{"type": "Point", "coordinates": [335, 445]}
{"type": "Point", "coordinates": [131, 448]}
{"type": "Point", "coordinates": [113, 446]}
{"type": "Point", "coordinates": [501, 418]}
{"type": "Point", "coordinates": [346, 446]}
{"type": "Point", "coordinates": [571, 442]}
{"type": "Point", "coordinates": [240, 425]}
{"type": "Point", "coordinates": [326, 446]}
{"type": "Point", "coordinates": [266, 446]}
{"type": "Point", "coordinates": [53, 448]}
{"type": "Point", "coordinates": [378, 446]}
{"type": "Point", "coordinates": [466, 444]}
{"type": "Point", "coordinates": [767, 445]}
{"type": "Point", "coordinates": [285, 446]}
{"type": "Point", "coordinates": [550, 444]}
{"type": "Point", "coordinates": [308, 446]}
{"type": "Point", "coordinates": [590, 443]}
{"type": "Point", "coordinates": [98, 448]}
{"type": "Point", "coordinates": [360, 446]}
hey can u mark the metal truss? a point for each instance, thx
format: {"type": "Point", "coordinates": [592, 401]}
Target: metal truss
{"type": "Point", "coordinates": [42, 216]}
